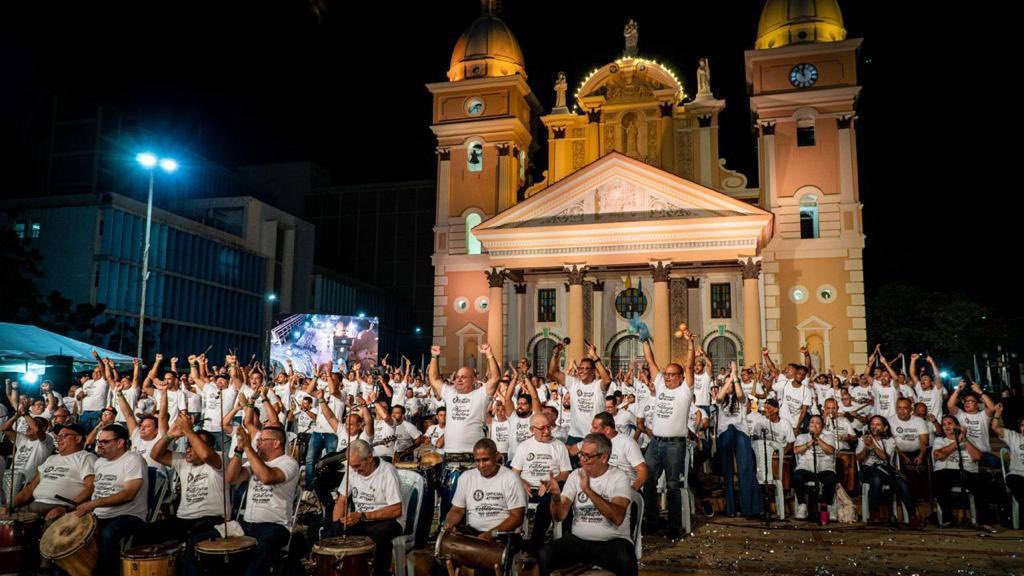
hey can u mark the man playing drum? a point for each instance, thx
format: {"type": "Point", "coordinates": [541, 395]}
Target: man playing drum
{"type": "Point", "coordinates": [373, 487]}
{"type": "Point", "coordinates": [119, 496]}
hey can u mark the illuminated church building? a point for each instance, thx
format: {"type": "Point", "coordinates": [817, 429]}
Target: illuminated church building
{"type": "Point", "coordinates": [638, 215]}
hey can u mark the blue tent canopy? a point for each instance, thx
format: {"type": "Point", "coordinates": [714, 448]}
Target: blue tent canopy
{"type": "Point", "coordinates": [22, 345]}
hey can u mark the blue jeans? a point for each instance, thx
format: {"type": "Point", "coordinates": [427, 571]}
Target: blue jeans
{"type": "Point", "coordinates": [668, 457]}
{"type": "Point", "coordinates": [875, 477]}
{"type": "Point", "coordinates": [733, 443]}
{"type": "Point", "coordinates": [318, 442]}
{"type": "Point", "coordinates": [113, 531]}
{"type": "Point", "coordinates": [89, 420]}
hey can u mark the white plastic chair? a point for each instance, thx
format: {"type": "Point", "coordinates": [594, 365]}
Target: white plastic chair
{"type": "Point", "coordinates": [160, 490]}
{"type": "Point", "coordinates": [637, 505]}
{"type": "Point", "coordinates": [1004, 456]}
{"type": "Point", "coordinates": [772, 480]}
{"type": "Point", "coordinates": [865, 487]}
{"type": "Point", "coordinates": [413, 486]}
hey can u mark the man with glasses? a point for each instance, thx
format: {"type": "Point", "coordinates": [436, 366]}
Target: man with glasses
{"type": "Point", "coordinates": [537, 460]}
{"type": "Point", "coordinates": [672, 394]}
{"type": "Point", "coordinates": [273, 478]}
{"type": "Point", "coordinates": [375, 492]}
{"type": "Point", "coordinates": [118, 497]}
{"type": "Point", "coordinates": [625, 454]}
{"type": "Point", "coordinates": [68, 473]}
{"type": "Point", "coordinates": [599, 496]}
{"type": "Point", "coordinates": [587, 391]}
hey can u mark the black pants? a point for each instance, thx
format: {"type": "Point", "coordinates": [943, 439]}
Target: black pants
{"type": "Point", "coordinates": [826, 478]}
{"type": "Point", "coordinates": [1015, 482]}
{"type": "Point", "coordinates": [112, 532]}
{"type": "Point", "coordinates": [943, 482]}
{"type": "Point", "coordinates": [175, 528]}
{"type": "Point", "coordinates": [381, 532]}
{"type": "Point", "coordinates": [617, 556]}
{"type": "Point", "coordinates": [542, 520]}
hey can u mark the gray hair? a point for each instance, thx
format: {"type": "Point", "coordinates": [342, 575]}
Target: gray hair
{"type": "Point", "coordinates": [601, 442]}
{"type": "Point", "coordinates": [360, 447]}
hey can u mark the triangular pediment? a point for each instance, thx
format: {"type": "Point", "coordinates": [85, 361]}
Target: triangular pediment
{"type": "Point", "coordinates": [617, 188]}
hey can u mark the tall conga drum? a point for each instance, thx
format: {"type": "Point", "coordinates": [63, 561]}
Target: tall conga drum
{"type": "Point", "coordinates": [19, 534]}
{"type": "Point", "coordinates": [158, 560]}
{"type": "Point", "coordinates": [846, 471]}
{"type": "Point", "coordinates": [224, 556]}
{"type": "Point", "coordinates": [472, 552]}
{"type": "Point", "coordinates": [70, 542]}
{"type": "Point", "coordinates": [343, 556]}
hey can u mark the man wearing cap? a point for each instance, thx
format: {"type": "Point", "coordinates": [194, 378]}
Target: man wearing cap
{"type": "Point", "coordinates": [68, 474]}
{"type": "Point", "coordinates": [31, 448]}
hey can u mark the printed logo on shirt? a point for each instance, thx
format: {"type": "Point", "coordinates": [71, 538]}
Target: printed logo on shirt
{"type": "Point", "coordinates": [355, 492]}
{"type": "Point", "coordinates": [478, 495]}
{"type": "Point", "coordinates": [582, 497]}
{"type": "Point", "coordinates": [530, 457]}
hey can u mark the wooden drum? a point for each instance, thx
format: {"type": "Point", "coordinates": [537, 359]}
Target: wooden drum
{"type": "Point", "coordinates": [224, 556]}
{"type": "Point", "coordinates": [71, 543]}
{"type": "Point", "coordinates": [159, 560]}
{"type": "Point", "coordinates": [19, 533]}
{"type": "Point", "coordinates": [343, 556]}
{"type": "Point", "coordinates": [472, 552]}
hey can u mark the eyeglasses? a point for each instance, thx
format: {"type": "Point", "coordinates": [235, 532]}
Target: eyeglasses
{"type": "Point", "coordinates": [70, 435]}
{"type": "Point", "coordinates": [105, 442]}
{"type": "Point", "coordinates": [547, 427]}
{"type": "Point", "coordinates": [588, 456]}
{"type": "Point", "coordinates": [672, 373]}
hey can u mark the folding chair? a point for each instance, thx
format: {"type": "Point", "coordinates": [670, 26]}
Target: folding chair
{"type": "Point", "coordinates": [865, 487]}
{"type": "Point", "coordinates": [1004, 456]}
{"type": "Point", "coordinates": [413, 486]}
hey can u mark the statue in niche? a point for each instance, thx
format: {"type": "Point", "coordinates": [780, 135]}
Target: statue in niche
{"type": "Point", "coordinates": [631, 133]}
{"type": "Point", "coordinates": [560, 87]}
{"type": "Point", "coordinates": [704, 80]}
{"type": "Point", "coordinates": [630, 32]}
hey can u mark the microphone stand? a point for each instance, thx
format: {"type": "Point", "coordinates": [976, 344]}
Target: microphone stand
{"type": "Point", "coordinates": [817, 480]}
{"type": "Point", "coordinates": [963, 473]}
{"type": "Point", "coordinates": [767, 486]}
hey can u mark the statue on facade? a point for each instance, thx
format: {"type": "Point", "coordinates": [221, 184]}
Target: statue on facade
{"type": "Point", "coordinates": [560, 87]}
{"type": "Point", "coordinates": [630, 32]}
{"type": "Point", "coordinates": [704, 80]}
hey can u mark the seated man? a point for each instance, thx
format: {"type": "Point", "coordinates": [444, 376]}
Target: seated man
{"type": "Point", "coordinates": [489, 497]}
{"type": "Point", "coordinates": [599, 496]}
{"type": "Point", "coordinates": [68, 473]}
{"type": "Point", "coordinates": [376, 495]}
{"type": "Point", "coordinates": [536, 460]}
{"type": "Point", "coordinates": [273, 478]}
{"type": "Point", "coordinates": [32, 447]}
{"type": "Point", "coordinates": [119, 495]}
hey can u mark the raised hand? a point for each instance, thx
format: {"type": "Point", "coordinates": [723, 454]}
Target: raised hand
{"type": "Point", "coordinates": [584, 480]}
{"type": "Point", "coordinates": [435, 350]}
{"type": "Point", "coordinates": [486, 349]}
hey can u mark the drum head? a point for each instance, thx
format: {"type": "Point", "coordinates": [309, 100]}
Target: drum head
{"type": "Point", "coordinates": [407, 465]}
{"type": "Point", "coordinates": [19, 517]}
{"type": "Point", "coordinates": [155, 551]}
{"type": "Point", "coordinates": [67, 535]}
{"type": "Point", "coordinates": [230, 545]}
{"type": "Point", "coordinates": [344, 546]}
{"type": "Point", "coordinates": [431, 459]}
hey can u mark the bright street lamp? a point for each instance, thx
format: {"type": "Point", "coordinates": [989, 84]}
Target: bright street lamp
{"type": "Point", "coordinates": [149, 161]}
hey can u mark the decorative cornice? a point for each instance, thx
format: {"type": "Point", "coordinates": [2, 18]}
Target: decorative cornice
{"type": "Point", "coordinates": [659, 246]}
{"type": "Point", "coordinates": [751, 269]}
{"type": "Point", "coordinates": [520, 288]}
{"type": "Point", "coordinates": [594, 116]}
{"type": "Point", "coordinates": [666, 108]}
{"type": "Point", "coordinates": [558, 132]}
{"type": "Point", "coordinates": [692, 283]}
{"type": "Point", "coordinates": [598, 285]}
{"type": "Point", "coordinates": [661, 270]}
{"type": "Point", "coordinates": [575, 273]}
{"type": "Point", "coordinates": [503, 148]}
{"type": "Point", "coordinates": [495, 277]}
{"type": "Point", "coordinates": [704, 120]}
{"type": "Point", "coordinates": [444, 153]}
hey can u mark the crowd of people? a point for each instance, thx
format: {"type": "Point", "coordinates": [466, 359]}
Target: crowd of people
{"type": "Point", "coordinates": [569, 448]}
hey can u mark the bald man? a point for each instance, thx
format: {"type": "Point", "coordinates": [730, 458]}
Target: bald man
{"type": "Point", "coordinates": [537, 460]}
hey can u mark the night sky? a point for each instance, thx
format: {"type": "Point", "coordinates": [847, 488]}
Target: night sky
{"type": "Point", "coordinates": [251, 82]}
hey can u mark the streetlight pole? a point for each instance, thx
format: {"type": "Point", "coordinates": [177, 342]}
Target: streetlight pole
{"type": "Point", "coordinates": [145, 263]}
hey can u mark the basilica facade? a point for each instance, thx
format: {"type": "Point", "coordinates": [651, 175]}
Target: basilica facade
{"type": "Point", "coordinates": [637, 218]}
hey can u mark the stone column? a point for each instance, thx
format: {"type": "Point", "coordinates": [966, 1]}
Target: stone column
{"type": "Point", "coordinates": [598, 316]}
{"type": "Point", "coordinates": [521, 319]}
{"type": "Point", "coordinates": [496, 280]}
{"type": "Point", "coordinates": [751, 270]}
{"type": "Point", "coordinates": [707, 163]}
{"type": "Point", "coordinates": [694, 311]}
{"type": "Point", "coordinates": [767, 130]}
{"type": "Point", "coordinates": [506, 189]}
{"type": "Point", "coordinates": [662, 329]}
{"type": "Point", "coordinates": [575, 273]}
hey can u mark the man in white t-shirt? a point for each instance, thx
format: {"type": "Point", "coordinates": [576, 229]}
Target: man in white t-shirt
{"type": "Point", "coordinates": [536, 460]}
{"type": "Point", "coordinates": [672, 394]}
{"type": "Point", "coordinates": [118, 496]}
{"type": "Point", "coordinates": [975, 419]}
{"type": "Point", "coordinates": [599, 496]}
{"type": "Point", "coordinates": [273, 478]}
{"type": "Point", "coordinates": [1014, 440]}
{"type": "Point", "coordinates": [93, 395]}
{"type": "Point", "coordinates": [587, 392]}
{"type": "Point", "coordinates": [625, 454]}
{"type": "Point", "coordinates": [527, 403]}
{"type": "Point", "coordinates": [407, 436]}
{"type": "Point", "coordinates": [202, 481]}
{"type": "Point", "coordinates": [928, 387]}
{"type": "Point", "coordinates": [374, 490]}
{"type": "Point", "coordinates": [142, 430]}
{"type": "Point", "coordinates": [490, 497]}
{"type": "Point", "coordinates": [911, 434]}
{"type": "Point", "coordinates": [625, 421]}
{"type": "Point", "coordinates": [31, 449]}
{"type": "Point", "coordinates": [68, 473]}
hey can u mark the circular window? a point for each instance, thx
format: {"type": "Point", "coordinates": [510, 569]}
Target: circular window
{"type": "Point", "coordinates": [482, 303]}
{"type": "Point", "coordinates": [826, 293]}
{"type": "Point", "coordinates": [798, 294]}
{"type": "Point", "coordinates": [631, 302]}
{"type": "Point", "coordinates": [461, 305]}
{"type": "Point", "coordinates": [474, 106]}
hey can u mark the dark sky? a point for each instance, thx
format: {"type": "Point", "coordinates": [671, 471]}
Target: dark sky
{"type": "Point", "coordinates": [250, 82]}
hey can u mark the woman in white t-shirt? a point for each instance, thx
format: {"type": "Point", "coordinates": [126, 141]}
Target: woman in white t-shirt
{"type": "Point", "coordinates": [1015, 444]}
{"type": "Point", "coordinates": [815, 462]}
{"type": "Point", "coordinates": [877, 453]}
{"type": "Point", "coordinates": [954, 453]}
{"type": "Point", "coordinates": [734, 444]}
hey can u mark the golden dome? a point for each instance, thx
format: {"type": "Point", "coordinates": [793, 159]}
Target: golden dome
{"type": "Point", "coordinates": [785, 22]}
{"type": "Point", "coordinates": [486, 49]}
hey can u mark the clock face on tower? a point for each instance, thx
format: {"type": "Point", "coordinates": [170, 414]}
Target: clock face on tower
{"type": "Point", "coordinates": [474, 106]}
{"type": "Point", "coordinates": [803, 75]}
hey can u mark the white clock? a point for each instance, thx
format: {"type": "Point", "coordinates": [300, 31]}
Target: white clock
{"type": "Point", "coordinates": [803, 75]}
{"type": "Point", "coordinates": [474, 106]}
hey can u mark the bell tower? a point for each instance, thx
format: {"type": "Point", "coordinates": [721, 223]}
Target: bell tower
{"type": "Point", "coordinates": [802, 77]}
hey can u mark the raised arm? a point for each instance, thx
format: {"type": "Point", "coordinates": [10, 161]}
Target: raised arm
{"type": "Point", "coordinates": [493, 370]}
{"type": "Point", "coordinates": [913, 368]}
{"type": "Point", "coordinates": [649, 357]}
{"type": "Point", "coordinates": [602, 371]}
{"type": "Point", "coordinates": [434, 371]}
{"type": "Point", "coordinates": [554, 372]}
{"type": "Point", "coordinates": [129, 413]}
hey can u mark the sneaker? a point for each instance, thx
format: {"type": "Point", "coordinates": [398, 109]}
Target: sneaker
{"type": "Point", "coordinates": [674, 534]}
{"type": "Point", "coordinates": [709, 509]}
{"type": "Point", "coordinates": [801, 512]}
{"type": "Point", "coordinates": [831, 513]}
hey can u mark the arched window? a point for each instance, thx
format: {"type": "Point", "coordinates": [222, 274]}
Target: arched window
{"type": "Point", "coordinates": [475, 156]}
{"type": "Point", "coordinates": [722, 351]}
{"type": "Point", "coordinates": [809, 216]}
{"type": "Point", "coordinates": [625, 350]}
{"type": "Point", "coordinates": [542, 351]}
{"type": "Point", "coordinates": [472, 244]}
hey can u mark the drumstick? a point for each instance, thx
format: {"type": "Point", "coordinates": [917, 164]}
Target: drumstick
{"type": "Point", "coordinates": [223, 460]}
{"type": "Point", "coordinates": [66, 500]}
{"type": "Point", "coordinates": [348, 471]}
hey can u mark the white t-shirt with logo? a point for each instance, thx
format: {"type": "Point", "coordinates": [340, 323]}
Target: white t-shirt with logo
{"type": "Point", "coordinates": [735, 417]}
{"type": "Point", "coordinates": [407, 435]}
{"type": "Point", "coordinates": [499, 432]}
{"type": "Point", "coordinates": [29, 454]}
{"type": "Point", "coordinates": [702, 388]}
{"type": "Point", "coordinates": [110, 478]}
{"type": "Point", "coordinates": [465, 423]}
{"type": "Point", "coordinates": [95, 395]}
{"type": "Point", "coordinates": [381, 431]}
{"type": "Point", "coordinates": [952, 462]}
{"type": "Point", "coordinates": [212, 415]}
{"type": "Point", "coordinates": [671, 408]}
{"type": "Point", "coordinates": [885, 400]}
{"type": "Point", "coordinates": [888, 445]}
{"type": "Point", "coordinates": [518, 431]}
{"type": "Point", "coordinates": [976, 425]}
{"type": "Point", "coordinates": [626, 456]}
{"type": "Point", "coordinates": [64, 476]}
{"type": "Point", "coordinates": [625, 422]}
{"type": "Point", "coordinates": [587, 521]}
{"type": "Point", "coordinates": [131, 396]}
{"type": "Point", "coordinates": [487, 501]}
{"type": "Point", "coordinates": [1015, 443]}
{"type": "Point", "coordinates": [791, 399]}
{"type": "Point", "coordinates": [272, 503]}
{"type": "Point", "coordinates": [537, 460]}
{"type": "Point", "coordinates": [435, 433]}
{"type": "Point", "coordinates": [145, 447]}
{"type": "Point", "coordinates": [202, 489]}
{"type": "Point", "coordinates": [934, 398]}
{"type": "Point", "coordinates": [907, 433]}
{"type": "Point", "coordinates": [806, 461]}
{"type": "Point", "coordinates": [587, 400]}
{"type": "Point", "coordinates": [371, 493]}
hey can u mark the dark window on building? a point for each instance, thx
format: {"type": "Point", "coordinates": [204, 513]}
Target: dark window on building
{"type": "Point", "coordinates": [19, 230]}
{"type": "Point", "coordinates": [805, 136]}
{"type": "Point", "coordinates": [36, 228]}
{"type": "Point", "coordinates": [546, 305]}
{"type": "Point", "coordinates": [721, 301]}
